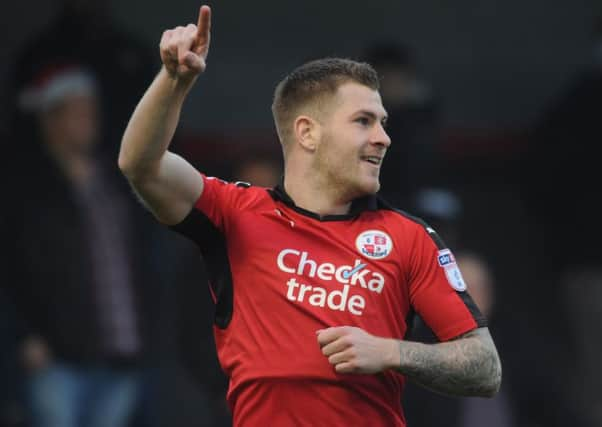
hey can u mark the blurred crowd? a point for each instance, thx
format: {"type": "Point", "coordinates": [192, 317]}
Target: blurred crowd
{"type": "Point", "coordinates": [99, 305]}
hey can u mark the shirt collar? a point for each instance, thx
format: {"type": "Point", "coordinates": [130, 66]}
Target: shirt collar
{"type": "Point", "coordinates": [359, 205]}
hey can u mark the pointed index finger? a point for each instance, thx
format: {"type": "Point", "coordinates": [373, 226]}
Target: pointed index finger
{"type": "Point", "coordinates": [204, 24]}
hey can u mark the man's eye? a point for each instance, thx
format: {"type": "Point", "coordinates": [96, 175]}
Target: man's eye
{"type": "Point", "coordinates": [364, 121]}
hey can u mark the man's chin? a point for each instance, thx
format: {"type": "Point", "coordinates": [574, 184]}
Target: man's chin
{"type": "Point", "coordinates": [370, 187]}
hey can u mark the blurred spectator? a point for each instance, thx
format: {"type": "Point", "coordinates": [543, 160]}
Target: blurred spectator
{"type": "Point", "coordinates": [84, 32]}
{"type": "Point", "coordinates": [535, 390]}
{"type": "Point", "coordinates": [560, 183]}
{"type": "Point", "coordinates": [442, 209]}
{"type": "Point", "coordinates": [562, 173]}
{"type": "Point", "coordinates": [75, 264]}
{"type": "Point", "coordinates": [413, 159]}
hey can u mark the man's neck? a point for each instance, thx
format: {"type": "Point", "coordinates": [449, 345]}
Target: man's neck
{"type": "Point", "coordinates": [311, 196]}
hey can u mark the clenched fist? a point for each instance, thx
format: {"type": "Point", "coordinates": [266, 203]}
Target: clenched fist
{"type": "Point", "coordinates": [352, 350]}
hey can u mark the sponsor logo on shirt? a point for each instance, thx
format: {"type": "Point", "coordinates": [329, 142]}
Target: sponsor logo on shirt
{"type": "Point", "coordinates": [352, 277]}
{"type": "Point", "coordinates": [374, 244]}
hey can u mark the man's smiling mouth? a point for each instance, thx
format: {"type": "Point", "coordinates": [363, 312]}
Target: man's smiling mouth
{"type": "Point", "coordinates": [375, 160]}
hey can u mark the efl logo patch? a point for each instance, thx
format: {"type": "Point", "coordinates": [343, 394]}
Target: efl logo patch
{"type": "Point", "coordinates": [446, 259]}
{"type": "Point", "coordinates": [374, 244]}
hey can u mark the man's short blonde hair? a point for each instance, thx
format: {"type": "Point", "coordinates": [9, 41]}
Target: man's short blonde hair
{"type": "Point", "coordinates": [309, 87]}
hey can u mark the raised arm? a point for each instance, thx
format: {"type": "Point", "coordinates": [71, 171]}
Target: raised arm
{"type": "Point", "coordinates": [166, 183]}
{"type": "Point", "coordinates": [466, 366]}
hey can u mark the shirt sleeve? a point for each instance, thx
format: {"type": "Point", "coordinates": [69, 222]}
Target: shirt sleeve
{"type": "Point", "coordinates": [215, 209]}
{"type": "Point", "coordinates": [218, 200]}
{"type": "Point", "coordinates": [437, 289]}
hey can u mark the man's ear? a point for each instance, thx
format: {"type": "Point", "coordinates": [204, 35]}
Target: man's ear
{"type": "Point", "coordinates": [307, 132]}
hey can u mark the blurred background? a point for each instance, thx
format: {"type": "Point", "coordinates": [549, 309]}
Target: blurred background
{"type": "Point", "coordinates": [495, 109]}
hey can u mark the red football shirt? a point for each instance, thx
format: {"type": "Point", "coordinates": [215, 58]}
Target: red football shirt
{"type": "Point", "coordinates": [279, 273]}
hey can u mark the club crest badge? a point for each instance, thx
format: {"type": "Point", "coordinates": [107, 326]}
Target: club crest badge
{"type": "Point", "coordinates": [374, 244]}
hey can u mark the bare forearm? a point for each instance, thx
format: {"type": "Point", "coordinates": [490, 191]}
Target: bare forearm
{"type": "Point", "coordinates": [152, 125]}
{"type": "Point", "coordinates": [468, 366]}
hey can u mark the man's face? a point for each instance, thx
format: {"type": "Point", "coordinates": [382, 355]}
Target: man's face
{"type": "Point", "coordinates": [353, 142]}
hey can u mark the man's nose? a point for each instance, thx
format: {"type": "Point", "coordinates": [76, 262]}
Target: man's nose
{"type": "Point", "coordinates": [381, 137]}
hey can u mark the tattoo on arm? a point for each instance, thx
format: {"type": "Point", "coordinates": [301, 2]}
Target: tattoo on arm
{"type": "Point", "coordinates": [466, 366]}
